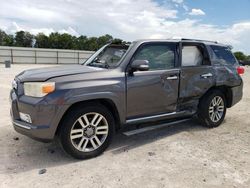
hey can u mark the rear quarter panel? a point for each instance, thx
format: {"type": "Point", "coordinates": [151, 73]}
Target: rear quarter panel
{"type": "Point", "coordinates": [226, 75]}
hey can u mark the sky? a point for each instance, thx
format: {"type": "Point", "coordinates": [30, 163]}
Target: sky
{"type": "Point", "coordinates": [226, 21]}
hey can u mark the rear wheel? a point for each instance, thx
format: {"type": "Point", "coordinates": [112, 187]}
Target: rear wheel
{"type": "Point", "coordinates": [87, 132]}
{"type": "Point", "coordinates": [212, 109]}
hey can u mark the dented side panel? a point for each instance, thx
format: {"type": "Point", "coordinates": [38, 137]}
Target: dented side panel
{"type": "Point", "coordinates": [227, 75]}
{"type": "Point", "coordinates": [193, 85]}
{"type": "Point", "coordinates": [150, 92]}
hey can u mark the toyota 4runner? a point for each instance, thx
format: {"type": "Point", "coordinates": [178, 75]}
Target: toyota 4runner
{"type": "Point", "coordinates": [121, 85]}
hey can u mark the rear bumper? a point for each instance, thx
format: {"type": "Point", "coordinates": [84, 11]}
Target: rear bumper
{"type": "Point", "coordinates": [45, 117]}
{"type": "Point", "coordinates": [237, 93]}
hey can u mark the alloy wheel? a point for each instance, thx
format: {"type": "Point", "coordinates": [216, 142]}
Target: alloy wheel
{"type": "Point", "coordinates": [89, 132]}
{"type": "Point", "coordinates": [216, 109]}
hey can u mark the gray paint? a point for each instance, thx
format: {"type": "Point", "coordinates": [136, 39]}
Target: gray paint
{"type": "Point", "coordinates": [138, 95]}
{"type": "Point", "coordinates": [145, 91]}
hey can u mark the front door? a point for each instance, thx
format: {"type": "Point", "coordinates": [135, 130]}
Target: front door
{"type": "Point", "coordinates": [154, 91]}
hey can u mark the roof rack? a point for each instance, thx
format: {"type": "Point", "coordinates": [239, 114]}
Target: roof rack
{"type": "Point", "coordinates": [199, 40]}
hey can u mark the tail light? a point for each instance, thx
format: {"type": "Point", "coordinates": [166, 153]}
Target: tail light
{"type": "Point", "coordinates": [240, 70]}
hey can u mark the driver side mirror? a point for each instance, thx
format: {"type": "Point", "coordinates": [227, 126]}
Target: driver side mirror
{"type": "Point", "coordinates": [140, 65]}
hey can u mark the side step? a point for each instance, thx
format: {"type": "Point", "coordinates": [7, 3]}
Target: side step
{"type": "Point", "coordinates": [158, 117]}
{"type": "Point", "coordinates": [153, 127]}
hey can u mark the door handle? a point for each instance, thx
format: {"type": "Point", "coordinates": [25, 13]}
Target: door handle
{"type": "Point", "coordinates": [206, 75]}
{"type": "Point", "coordinates": [172, 78]}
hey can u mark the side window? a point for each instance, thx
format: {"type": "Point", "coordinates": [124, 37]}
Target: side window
{"type": "Point", "coordinates": [191, 56]}
{"type": "Point", "coordinates": [159, 56]}
{"type": "Point", "coordinates": [224, 54]}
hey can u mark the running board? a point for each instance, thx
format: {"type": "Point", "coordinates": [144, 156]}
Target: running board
{"type": "Point", "coordinates": [158, 117]}
{"type": "Point", "coordinates": [153, 127]}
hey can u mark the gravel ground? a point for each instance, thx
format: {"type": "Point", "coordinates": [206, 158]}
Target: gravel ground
{"type": "Point", "coordinates": [183, 155]}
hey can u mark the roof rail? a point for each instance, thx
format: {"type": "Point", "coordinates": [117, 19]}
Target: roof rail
{"type": "Point", "coordinates": [200, 40]}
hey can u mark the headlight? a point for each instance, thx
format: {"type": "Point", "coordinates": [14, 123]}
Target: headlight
{"type": "Point", "coordinates": [38, 89]}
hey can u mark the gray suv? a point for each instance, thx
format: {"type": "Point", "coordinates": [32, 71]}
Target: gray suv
{"type": "Point", "coordinates": [148, 81]}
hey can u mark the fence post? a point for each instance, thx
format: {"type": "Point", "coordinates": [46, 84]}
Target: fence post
{"type": "Point", "coordinates": [11, 56]}
{"type": "Point", "coordinates": [78, 57]}
{"type": "Point", "coordinates": [35, 58]}
{"type": "Point", "coordinates": [57, 58]}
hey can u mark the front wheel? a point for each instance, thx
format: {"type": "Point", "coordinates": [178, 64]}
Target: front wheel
{"type": "Point", "coordinates": [86, 132]}
{"type": "Point", "coordinates": [212, 109]}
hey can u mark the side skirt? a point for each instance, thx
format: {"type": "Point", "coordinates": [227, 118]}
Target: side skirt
{"type": "Point", "coordinates": [159, 117]}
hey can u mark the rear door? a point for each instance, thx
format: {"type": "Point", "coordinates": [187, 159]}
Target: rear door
{"type": "Point", "coordinates": [197, 74]}
{"type": "Point", "coordinates": [154, 91]}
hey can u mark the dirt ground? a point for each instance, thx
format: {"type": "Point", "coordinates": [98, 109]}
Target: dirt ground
{"type": "Point", "coordinates": [183, 155]}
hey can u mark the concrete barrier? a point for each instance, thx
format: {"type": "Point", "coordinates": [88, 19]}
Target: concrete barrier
{"type": "Point", "coordinates": [20, 55]}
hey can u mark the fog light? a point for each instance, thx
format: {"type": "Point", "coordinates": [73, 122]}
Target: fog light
{"type": "Point", "coordinates": [25, 117]}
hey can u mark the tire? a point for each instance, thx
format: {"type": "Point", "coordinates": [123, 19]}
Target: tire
{"type": "Point", "coordinates": [213, 102]}
{"type": "Point", "coordinates": [86, 132]}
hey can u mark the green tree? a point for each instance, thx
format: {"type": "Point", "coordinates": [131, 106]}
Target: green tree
{"type": "Point", "coordinates": [2, 37]}
{"type": "Point", "coordinates": [54, 40]}
{"type": "Point", "coordinates": [82, 42]}
{"type": "Point", "coordinates": [9, 40]}
{"type": "Point", "coordinates": [102, 40]}
{"type": "Point", "coordinates": [62, 41]}
{"type": "Point", "coordinates": [6, 40]}
{"type": "Point", "coordinates": [92, 44]}
{"type": "Point", "coordinates": [42, 41]}
{"type": "Point", "coordinates": [24, 39]}
{"type": "Point", "coordinates": [66, 41]}
{"type": "Point", "coordinates": [57, 40]}
{"type": "Point", "coordinates": [118, 41]}
{"type": "Point", "coordinates": [240, 56]}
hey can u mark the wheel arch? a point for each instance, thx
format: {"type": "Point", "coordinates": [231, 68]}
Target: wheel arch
{"type": "Point", "coordinates": [226, 90]}
{"type": "Point", "coordinates": [108, 103]}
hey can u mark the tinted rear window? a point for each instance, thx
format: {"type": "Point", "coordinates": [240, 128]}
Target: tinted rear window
{"type": "Point", "coordinates": [224, 54]}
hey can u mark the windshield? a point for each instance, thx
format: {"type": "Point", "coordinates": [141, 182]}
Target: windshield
{"type": "Point", "coordinates": [108, 56]}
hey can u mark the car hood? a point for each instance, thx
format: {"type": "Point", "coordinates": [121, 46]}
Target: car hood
{"type": "Point", "coordinates": [43, 74]}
